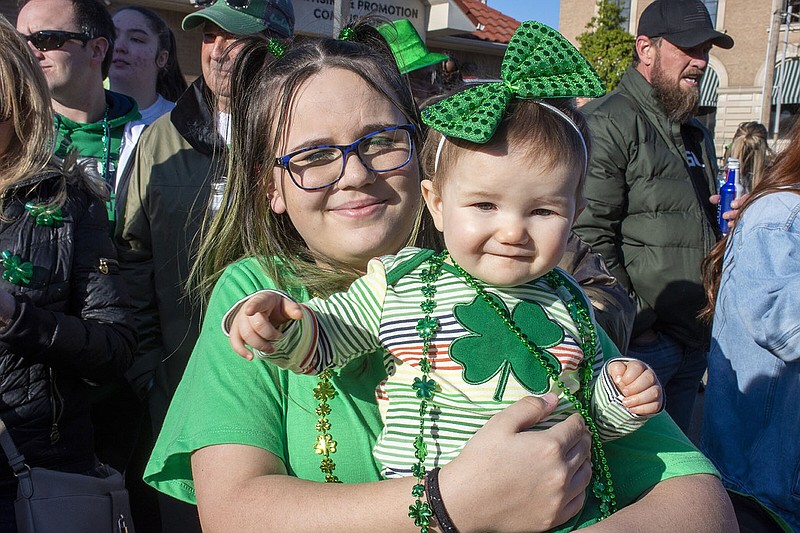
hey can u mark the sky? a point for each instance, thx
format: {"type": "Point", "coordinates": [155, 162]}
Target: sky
{"type": "Point", "coordinates": [545, 11]}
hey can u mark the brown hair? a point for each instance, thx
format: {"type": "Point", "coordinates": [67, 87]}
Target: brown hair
{"type": "Point", "coordinates": [530, 130]}
{"type": "Point", "coordinates": [261, 94]}
{"type": "Point", "coordinates": [784, 173]}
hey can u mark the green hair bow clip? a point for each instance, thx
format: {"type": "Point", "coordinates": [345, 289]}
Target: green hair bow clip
{"type": "Point", "coordinates": [347, 34]}
{"type": "Point", "coordinates": [539, 63]}
{"type": "Point", "coordinates": [276, 47]}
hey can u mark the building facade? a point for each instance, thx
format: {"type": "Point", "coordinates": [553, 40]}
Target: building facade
{"type": "Point", "coordinates": [467, 30]}
{"type": "Point", "coordinates": [733, 89]}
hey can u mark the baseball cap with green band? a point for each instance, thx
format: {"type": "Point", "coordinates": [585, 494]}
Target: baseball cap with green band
{"type": "Point", "coordinates": [245, 17]}
{"type": "Point", "coordinates": [407, 47]}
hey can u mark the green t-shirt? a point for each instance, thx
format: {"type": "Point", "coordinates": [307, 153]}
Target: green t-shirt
{"type": "Point", "coordinates": [224, 399]}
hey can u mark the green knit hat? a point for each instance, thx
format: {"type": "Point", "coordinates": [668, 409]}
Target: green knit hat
{"type": "Point", "coordinates": [255, 16]}
{"type": "Point", "coordinates": [409, 51]}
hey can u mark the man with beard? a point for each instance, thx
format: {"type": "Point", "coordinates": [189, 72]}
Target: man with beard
{"type": "Point", "coordinates": [652, 171]}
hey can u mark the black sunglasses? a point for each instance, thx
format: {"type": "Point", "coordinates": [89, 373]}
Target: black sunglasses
{"type": "Point", "coordinates": [54, 39]}
{"type": "Point", "coordinates": [234, 4]}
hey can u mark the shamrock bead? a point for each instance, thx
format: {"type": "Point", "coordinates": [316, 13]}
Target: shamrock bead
{"type": "Point", "coordinates": [428, 306]}
{"type": "Point", "coordinates": [426, 327]}
{"type": "Point", "coordinates": [425, 387]}
{"type": "Point", "coordinates": [421, 449]}
{"type": "Point", "coordinates": [325, 445]}
{"type": "Point", "coordinates": [323, 424]}
{"type": "Point", "coordinates": [429, 291]}
{"type": "Point", "coordinates": [429, 275]}
{"type": "Point", "coordinates": [327, 466]}
{"type": "Point", "coordinates": [425, 365]}
{"type": "Point", "coordinates": [421, 513]}
{"type": "Point", "coordinates": [324, 390]}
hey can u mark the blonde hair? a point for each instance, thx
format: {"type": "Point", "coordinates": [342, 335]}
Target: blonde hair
{"type": "Point", "coordinates": [783, 175]}
{"type": "Point", "coordinates": [750, 147]}
{"type": "Point", "coordinates": [25, 101]}
{"type": "Point", "coordinates": [261, 94]}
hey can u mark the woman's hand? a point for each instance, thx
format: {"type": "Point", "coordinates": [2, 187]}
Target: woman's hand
{"type": "Point", "coordinates": [510, 479]}
{"type": "Point", "coordinates": [733, 214]}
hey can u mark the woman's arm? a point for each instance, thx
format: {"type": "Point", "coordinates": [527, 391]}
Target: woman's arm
{"type": "Point", "coordinates": [767, 281]}
{"type": "Point", "coordinates": [505, 479]}
{"type": "Point", "coordinates": [688, 503]}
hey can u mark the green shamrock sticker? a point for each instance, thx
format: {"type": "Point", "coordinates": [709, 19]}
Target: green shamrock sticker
{"type": "Point", "coordinates": [492, 347]}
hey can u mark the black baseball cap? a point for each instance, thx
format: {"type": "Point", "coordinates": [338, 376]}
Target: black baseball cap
{"type": "Point", "coordinates": [684, 23]}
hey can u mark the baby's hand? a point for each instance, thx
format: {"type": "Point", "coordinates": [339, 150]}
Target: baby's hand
{"type": "Point", "coordinates": [639, 385]}
{"type": "Point", "coordinates": [257, 320]}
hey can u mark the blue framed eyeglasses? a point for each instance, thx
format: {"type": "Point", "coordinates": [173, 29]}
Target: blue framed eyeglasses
{"type": "Point", "coordinates": [319, 167]}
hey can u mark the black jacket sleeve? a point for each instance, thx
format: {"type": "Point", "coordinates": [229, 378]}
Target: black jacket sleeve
{"type": "Point", "coordinates": [94, 338]}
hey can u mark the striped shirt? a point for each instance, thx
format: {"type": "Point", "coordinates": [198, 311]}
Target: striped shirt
{"type": "Point", "coordinates": [381, 310]}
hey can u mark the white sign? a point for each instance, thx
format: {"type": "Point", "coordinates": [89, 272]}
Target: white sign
{"type": "Point", "coordinates": [315, 17]}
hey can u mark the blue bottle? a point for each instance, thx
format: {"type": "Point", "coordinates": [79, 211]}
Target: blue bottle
{"type": "Point", "coordinates": [728, 193]}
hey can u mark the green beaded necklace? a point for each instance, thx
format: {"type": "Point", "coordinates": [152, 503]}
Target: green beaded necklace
{"type": "Point", "coordinates": [602, 485]}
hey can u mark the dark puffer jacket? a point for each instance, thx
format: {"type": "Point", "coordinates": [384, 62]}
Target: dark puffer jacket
{"type": "Point", "coordinates": [646, 216]}
{"type": "Point", "coordinates": [71, 328]}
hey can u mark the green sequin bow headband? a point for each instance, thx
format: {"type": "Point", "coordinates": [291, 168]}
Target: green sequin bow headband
{"type": "Point", "coordinates": [539, 63]}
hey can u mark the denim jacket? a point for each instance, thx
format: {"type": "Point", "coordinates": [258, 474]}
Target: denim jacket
{"type": "Point", "coordinates": [752, 421]}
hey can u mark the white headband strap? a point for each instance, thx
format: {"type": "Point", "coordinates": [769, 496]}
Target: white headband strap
{"type": "Point", "coordinates": [571, 122]}
{"type": "Point", "coordinates": [438, 153]}
{"type": "Point", "coordinates": [555, 110]}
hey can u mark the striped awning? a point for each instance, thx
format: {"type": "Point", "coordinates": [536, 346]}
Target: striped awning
{"type": "Point", "coordinates": [708, 88]}
{"type": "Point", "coordinates": [787, 73]}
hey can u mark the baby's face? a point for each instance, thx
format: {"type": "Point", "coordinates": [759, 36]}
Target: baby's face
{"type": "Point", "coordinates": [505, 220]}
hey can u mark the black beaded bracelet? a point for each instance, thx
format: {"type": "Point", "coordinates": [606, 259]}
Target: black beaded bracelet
{"type": "Point", "coordinates": [437, 505]}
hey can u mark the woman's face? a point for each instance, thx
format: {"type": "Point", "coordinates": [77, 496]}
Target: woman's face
{"type": "Point", "coordinates": [365, 214]}
{"type": "Point", "coordinates": [136, 56]}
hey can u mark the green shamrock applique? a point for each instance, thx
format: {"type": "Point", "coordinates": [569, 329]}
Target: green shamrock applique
{"type": "Point", "coordinates": [17, 271]}
{"type": "Point", "coordinates": [491, 347]}
{"type": "Point", "coordinates": [45, 214]}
